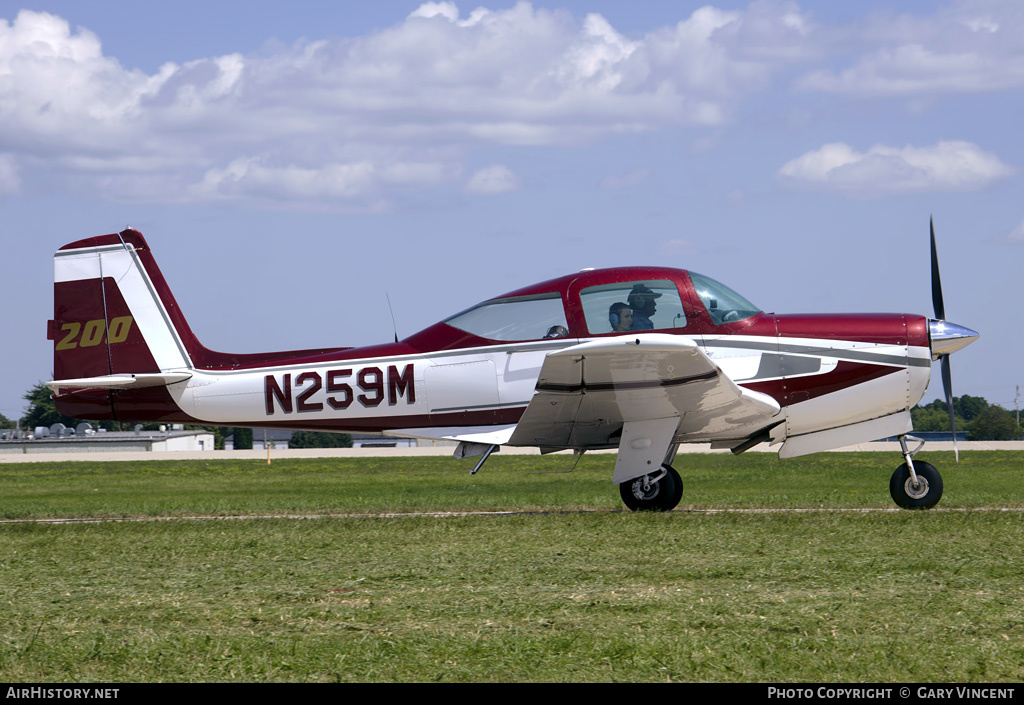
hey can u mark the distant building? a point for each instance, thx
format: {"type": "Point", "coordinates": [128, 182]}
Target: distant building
{"type": "Point", "coordinates": [89, 441]}
{"type": "Point", "coordinates": [277, 438]}
{"type": "Point", "coordinates": [392, 442]}
{"type": "Point", "coordinates": [281, 439]}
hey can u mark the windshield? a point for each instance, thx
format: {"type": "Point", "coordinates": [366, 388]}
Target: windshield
{"type": "Point", "coordinates": [722, 303]}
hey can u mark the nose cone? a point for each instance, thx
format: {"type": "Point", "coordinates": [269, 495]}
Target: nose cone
{"type": "Point", "coordinates": [948, 337]}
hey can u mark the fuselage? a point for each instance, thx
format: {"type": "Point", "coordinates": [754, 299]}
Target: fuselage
{"type": "Point", "coordinates": [480, 367]}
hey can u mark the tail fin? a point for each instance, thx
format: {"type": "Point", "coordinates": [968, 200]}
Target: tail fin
{"type": "Point", "coordinates": [115, 323]}
{"type": "Point", "coordinates": [117, 328]}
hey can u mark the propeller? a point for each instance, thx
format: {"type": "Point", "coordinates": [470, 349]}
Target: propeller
{"type": "Point", "coordinates": [940, 313]}
{"type": "Point", "coordinates": [940, 308]}
{"type": "Point", "coordinates": [946, 338]}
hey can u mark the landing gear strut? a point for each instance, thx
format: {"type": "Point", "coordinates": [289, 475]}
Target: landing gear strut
{"type": "Point", "coordinates": [658, 492]}
{"type": "Point", "coordinates": [915, 485]}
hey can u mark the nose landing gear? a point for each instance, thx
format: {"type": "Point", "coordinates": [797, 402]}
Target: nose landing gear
{"type": "Point", "coordinates": [915, 485]}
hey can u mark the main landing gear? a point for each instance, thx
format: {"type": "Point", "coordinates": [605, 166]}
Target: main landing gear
{"type": "Point", "coordinates": [915, 485]}
{"type": "Point", "coordinates": [658, 492]}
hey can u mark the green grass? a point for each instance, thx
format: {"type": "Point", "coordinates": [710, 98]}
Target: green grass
{"type": "Point", "coordinates": [341, 485]}
{"type": "Point", "coordinates": [575, 590]}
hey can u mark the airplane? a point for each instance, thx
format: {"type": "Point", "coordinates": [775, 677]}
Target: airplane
{"type": "Point", "coordinates": [638, 359]}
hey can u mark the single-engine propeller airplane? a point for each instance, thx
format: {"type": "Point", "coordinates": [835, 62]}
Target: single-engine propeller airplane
{"type": "Point", "coordinates": [640, 359]}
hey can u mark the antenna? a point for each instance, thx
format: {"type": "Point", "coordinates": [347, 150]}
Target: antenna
{"type": "Point", "coordinates": [394, 325]}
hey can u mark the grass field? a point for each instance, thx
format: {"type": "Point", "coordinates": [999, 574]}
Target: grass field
{"type": "Point", "coordinates": [571, 588]}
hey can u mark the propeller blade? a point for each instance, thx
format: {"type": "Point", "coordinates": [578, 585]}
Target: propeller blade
{"type": "Point", "coordinates": [940, 309]}
{"type": "Point", "coordinates": [947, 387]}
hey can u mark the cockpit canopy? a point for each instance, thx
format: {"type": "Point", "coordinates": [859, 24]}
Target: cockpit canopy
{"type": "Point", "coordinates": [604, 302]}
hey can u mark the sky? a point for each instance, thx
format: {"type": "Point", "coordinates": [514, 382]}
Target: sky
{"type": "Point", "coordinates": [295, 166]}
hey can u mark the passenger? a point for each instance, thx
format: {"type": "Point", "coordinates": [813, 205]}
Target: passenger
{"type": "Point", "coordinates": [557, 332]}
{"type": "Point", "coordinates": [642, 301]}
{"type": "Point", "coordinates": [621, 317]}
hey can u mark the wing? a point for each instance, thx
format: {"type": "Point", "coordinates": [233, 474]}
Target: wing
{"type": "Point", "coordinates": [662, 388]}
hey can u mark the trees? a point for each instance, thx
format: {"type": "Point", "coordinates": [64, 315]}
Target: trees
{"type": "Point", "coordinates": [930, 418]}
{"type": "Point", "coordinates": [6, 422]}
{"type": "Point", "coordinates": [42, 411]}
{"type": "Point", "coordinates": [313, 439]}
{"type": "Point", "coordinates": [969, 407]}
{"type": "Point", "coordinates": [242, 438]}
{"type": "Point", "coordinates": [994, 423]}
{"type": "Point", "coordinates": [982, 421]}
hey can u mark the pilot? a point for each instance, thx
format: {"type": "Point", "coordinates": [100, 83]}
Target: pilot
{"type": "Point", "coordinates": [642, 301]}
{"type": "Point", "coordinates": [557, 332]}
{"type": "Point", "coordinates": [620, 316]}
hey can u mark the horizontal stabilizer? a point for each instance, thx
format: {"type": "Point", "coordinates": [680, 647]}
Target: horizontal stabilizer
{"type": "Point", "coordinates": [121, 381]}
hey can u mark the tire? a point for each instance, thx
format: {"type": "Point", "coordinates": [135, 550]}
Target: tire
{"type": "Point", "coordinates": [926, 496]}
{"type": "Point", "coordinates": [663, 495]}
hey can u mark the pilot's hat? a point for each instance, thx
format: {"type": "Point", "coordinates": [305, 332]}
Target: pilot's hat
{"type": "Point", "coordinates": [639, 294]}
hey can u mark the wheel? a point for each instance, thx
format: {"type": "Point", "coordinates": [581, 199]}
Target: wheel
{"type": "Point", "coordinates": [660, 496]}
{"type": "Point", "coordinates": [925, 496]}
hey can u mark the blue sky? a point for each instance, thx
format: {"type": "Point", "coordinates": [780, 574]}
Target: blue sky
{"type": "Point", "coordinates": [294, 164]}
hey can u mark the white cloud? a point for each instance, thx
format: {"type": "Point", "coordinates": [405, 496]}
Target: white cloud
{"type": "Point", "coordinates": [350, 118]}
{"type": "Point", "coordinates": [448, 10]}
{"type": "Point", "coordinates": [330, 117]}
{"type": "Point", "coordinates": [946, 166]}
{"type": "Point", "coordinates": [261, 177]}
{"type": "Point", "coordinates": [253, 176]}
{"type": "Point", "coordinates": [522, 75]}
{"type": "Point", "coordinates": [969, 46]}
{"type": "Point", "coordinates": [58, 85]}
{"type": "Point", "coordinates": [493, 179]}
{"type": "Point", "coordinates": [913, 68]}
{"type": "Point", "coordinates": [598, 56]}
{"type": "Point", "coordinates": [358, 117]}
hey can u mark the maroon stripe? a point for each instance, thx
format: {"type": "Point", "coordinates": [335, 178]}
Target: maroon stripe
{"type": "Point", "coordinates": [623, 386]}
{"type": "Point", "coordinates": [845, 375]}
{"type": "Point", "coordinates": [156, 404]}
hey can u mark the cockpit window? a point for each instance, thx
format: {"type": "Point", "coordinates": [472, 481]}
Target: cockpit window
{"type": "Point", "coordinates": [515, 318]}
{"type": "Point", "coordinates": [632, 306]}
{"type": "Point", "coordinates": [722, 303]}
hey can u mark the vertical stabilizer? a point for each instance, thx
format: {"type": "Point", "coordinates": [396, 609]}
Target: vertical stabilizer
{"type": "Point", "coordinates": [109, 317]}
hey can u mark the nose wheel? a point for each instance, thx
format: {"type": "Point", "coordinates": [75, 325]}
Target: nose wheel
{"type": "Point", "coordinates": [657, 492]}
{"type": "Point", "coordinates": [924, 494]}
{"type": "Point", "coordinates": [915, 485]}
